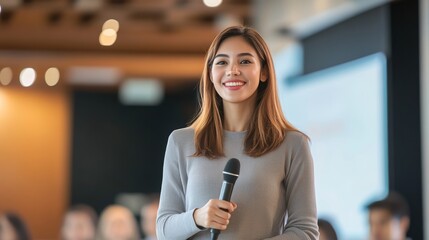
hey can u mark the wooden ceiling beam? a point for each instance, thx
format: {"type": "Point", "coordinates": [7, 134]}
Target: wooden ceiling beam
{"type": "Point", "coordinates": [171, 69]}
{"type": "Point", "coordinates": [130, 39]}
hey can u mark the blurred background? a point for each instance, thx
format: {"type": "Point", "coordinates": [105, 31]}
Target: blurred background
{"type": "Point", "coordinates": [91, 89]}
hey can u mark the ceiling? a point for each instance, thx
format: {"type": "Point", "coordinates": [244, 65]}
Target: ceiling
{"type": "Point", "coordinates": [157, 39]}
{"type": "Point", "coordinates": [161, 39]}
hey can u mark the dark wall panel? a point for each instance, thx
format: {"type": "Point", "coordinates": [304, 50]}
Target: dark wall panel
{"type": "Point", "coordinates": [120, 149]}
{"type": "Point", "coordinates": [405, 145]}
{"type": "Point", "coordinates": [354, 38]}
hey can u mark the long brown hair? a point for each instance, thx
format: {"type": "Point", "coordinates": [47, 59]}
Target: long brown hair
{"type": "Point", "coordinates": [267, 126]}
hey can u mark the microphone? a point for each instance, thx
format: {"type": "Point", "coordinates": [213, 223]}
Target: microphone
{"type": "Point", "coordinates": [230, 175]}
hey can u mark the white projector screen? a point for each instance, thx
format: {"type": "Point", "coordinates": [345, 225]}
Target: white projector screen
{"type": "Point", "coordinates": [343, 110]}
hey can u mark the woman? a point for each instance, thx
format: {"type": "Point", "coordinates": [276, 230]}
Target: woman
{"type": "Point", "coordinates": [240, 117]}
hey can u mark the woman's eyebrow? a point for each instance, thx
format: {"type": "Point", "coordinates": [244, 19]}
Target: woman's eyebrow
{"type": "Point", "coordinates": [245, 54]}
{"type": "Point", "coordinates": [240, 55]}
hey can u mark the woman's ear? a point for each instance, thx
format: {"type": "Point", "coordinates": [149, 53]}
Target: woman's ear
{"type": "Point", "coordinates": [264, 74]}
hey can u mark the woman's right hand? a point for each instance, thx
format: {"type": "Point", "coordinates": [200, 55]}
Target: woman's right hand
{"type": "Point", "coordinates": [215, 214]}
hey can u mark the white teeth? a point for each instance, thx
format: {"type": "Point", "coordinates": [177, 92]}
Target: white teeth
{"type": "Point", "coordinates": [233, 84]}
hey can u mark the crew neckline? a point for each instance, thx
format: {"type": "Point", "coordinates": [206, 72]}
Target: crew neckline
{"type": "Point", "coordinates": [228, 133]}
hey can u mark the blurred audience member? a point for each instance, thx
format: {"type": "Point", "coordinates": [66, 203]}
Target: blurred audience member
{"type": "Point", "coordinates": [148, 218]}
{"type": "Point", "coordinates": [389, 218]}
{"type": "Point", "coordinates": [12, 227]}
{"type": "Point", "coordinates": [79, 223]}
{"type": "Point", "coordinates": [117, 223]}
{"type": "Point", "coordinates": [326, 230]}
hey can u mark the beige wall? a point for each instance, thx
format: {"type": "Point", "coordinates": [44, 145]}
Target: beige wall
{"type": "Point", "coordinates": [34, 157]}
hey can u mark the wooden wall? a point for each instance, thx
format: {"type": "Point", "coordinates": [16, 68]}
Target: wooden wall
{"type": "Point", "coordinates": [34, 157]}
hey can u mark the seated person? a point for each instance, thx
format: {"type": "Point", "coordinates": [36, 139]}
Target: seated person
{"type": "Point", "coordinates": [326, 230]}
{"type": "Point", "coordinates": [79, 223]}
{"type": "Point", "coordinates": [12, 227]}
{"type": "Point", "coordinates": [117, 223]}
{"type": "Point", "coordinates": [389, 218]}
{"type": "Point", "coordinates": [148, 218]}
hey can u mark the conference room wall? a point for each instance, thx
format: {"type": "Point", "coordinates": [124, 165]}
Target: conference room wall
{"type": "Point", "coordinates": [424, 88]}
{"type": "Point", "coordinates": [119, 149]}
{"type": "Point", "coordinates": [392, 29]}
{"type": "Point", "coordinates": [34, 157]}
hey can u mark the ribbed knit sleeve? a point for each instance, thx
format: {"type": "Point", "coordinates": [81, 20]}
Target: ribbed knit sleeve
{"type": "Point", "coordinates": [173, 221]}
{"type": "Point", "coordinates": [300, 195]}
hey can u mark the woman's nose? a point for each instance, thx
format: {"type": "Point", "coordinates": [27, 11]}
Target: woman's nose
{"type": "Point", "coordinates": [233, 71]}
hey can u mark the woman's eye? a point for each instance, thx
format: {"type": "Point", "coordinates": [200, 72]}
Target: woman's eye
{"type": "Point", "coordinates": [245, 62]}
{"type": "Point", "coordinates": [221, 63]}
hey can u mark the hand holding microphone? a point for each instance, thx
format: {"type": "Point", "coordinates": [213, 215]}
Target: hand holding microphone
{"type": "Point", "coordinates": [216, 213]}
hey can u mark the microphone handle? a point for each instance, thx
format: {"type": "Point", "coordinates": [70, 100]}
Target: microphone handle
{"type": "Point", "coordinates": [225, 194]}
{"type": "Point", "coordinates": [226, 191]}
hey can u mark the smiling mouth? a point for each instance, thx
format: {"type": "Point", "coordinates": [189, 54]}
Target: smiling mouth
{"type": "Point", "coordinates": [233, 84]}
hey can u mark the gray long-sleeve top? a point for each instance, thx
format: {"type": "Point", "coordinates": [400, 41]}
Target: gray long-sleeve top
{"type": "Point", "coordinates": [274, 193]}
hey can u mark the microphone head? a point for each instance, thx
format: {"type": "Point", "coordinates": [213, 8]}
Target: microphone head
{"type": "Point", "coordinates": [231, 171]}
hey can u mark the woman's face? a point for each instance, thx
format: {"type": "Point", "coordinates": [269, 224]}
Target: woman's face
{"type": "Point", "coordinates": [6, 230]}
{"type": "Point", "coordinates": [236, 71]}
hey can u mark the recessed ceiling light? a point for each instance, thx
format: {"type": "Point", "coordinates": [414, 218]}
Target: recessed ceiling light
{"type": "Point", "coordinates": [27, 77]}
{"type": "Point", "coordinates": [212, 3]}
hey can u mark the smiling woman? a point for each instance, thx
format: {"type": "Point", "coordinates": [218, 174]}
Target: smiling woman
{"type": "Point", "coordinates": [240, 117]}
{"type": "Point", "coordinates": [237, 67]}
